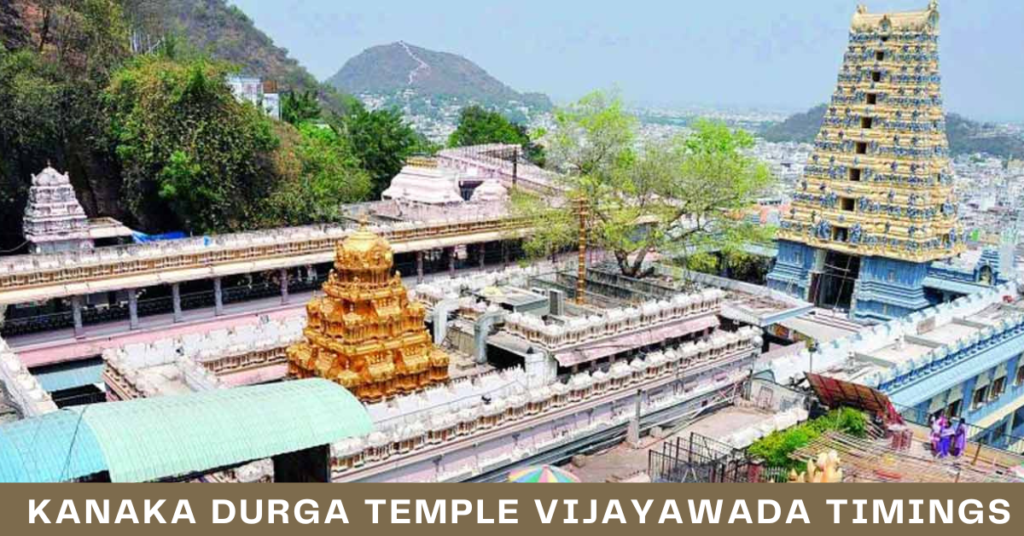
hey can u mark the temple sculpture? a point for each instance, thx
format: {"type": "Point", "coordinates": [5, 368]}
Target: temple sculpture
{"type": "Point", "coordinates": [876, 205]}
{"type": "Point", "coordinates": [365, 333]}
{"type": "Point", "coordinates": [54, 220]}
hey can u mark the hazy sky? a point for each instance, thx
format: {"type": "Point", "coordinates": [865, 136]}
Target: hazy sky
{"type": "Point", "coordinates": [778, 54]}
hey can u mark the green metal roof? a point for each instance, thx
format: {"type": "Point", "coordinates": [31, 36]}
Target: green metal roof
{"type": "Point", "coordinates": [55, 447]}
{"type": "Point", "coordinates": [70, 376]}
{"type": "Point", "coordinates": [154, 438]}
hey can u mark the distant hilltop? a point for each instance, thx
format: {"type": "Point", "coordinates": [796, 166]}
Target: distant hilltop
{"type": "Point", "coordinates": [403, 71]}
{"type": "Point", "coordinates": [965, 136]}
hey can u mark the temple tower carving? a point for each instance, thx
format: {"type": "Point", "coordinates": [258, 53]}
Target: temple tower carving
{"type": "Point", "coordinates": [54, 220]}
{"type": "Point", "coordinates": [365, 333]}
{"type": "Point", "coordinates": [876, 204]}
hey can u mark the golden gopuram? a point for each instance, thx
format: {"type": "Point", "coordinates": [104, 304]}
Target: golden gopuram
{"type": "Point", "coordinates": [365, 333]}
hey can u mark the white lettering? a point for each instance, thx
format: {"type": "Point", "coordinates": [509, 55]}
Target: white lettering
{"type": "Point", "coordinates": [973, 516]}
{"type": "Point", "coordinates": [375, 503]}
{"type": "Point", "coordinates": [307, 517]}
{"type": "Point", "coordinates": [670, 505]}
{"type": "Point", "coordinates": [127, 511]}
{"type": "Point", "coordinates": [37, 511]}
{"type": "Point", "coordinates": [92, 506]}
{"type": "Point", "coordinates": [1004, 514]}
{"type": "Point", "coordinates": [430, 515]}
{"type": "Point", "coordinates": [736, 507]}
{"type": "Point", "coordinates": [836, 503]}
{"type": "Point", "coordinates": [760, 511]}
{"type": "Point", "coordinates": [245, 511]}
{"type": "Point", "coordinates": [153, 510]}
{"type": "Point", "coordinates": [713, 515]}
{"type": "Point", "coordinates": [545, 517]}
{"type": "Point", "coordinates": [467, 507]}
{"type": "Point", "coordinates": [337, 511]}
{"type": "Point", "coordinates": [68, 511]}
{"type": "Point", "coordinates": [797, 511]}
{"type": "Point", "coordinates": [397, 510]}
{"type": "Point", "coordinates": [895, 512]}
{"type": "Point", "coordinates": [184, 510]}
{"type": "Point", "coordinates": [217, 518]}
{"type": "Point", "coordinates": [504, 511]}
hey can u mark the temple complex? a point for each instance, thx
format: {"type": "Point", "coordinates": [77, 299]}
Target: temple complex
{"type": "Point", "coordinates": [876, 205]}
{"type": "Point", "coordinates": [365, 333]}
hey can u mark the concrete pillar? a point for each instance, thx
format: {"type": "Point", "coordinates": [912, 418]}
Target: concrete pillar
{"type": "Point", "coordinates": [284, 286]}
{"type": "Point", "coordinates": [218, 298]}
{"type": "Point", "coordinates": [633, 429]}
{"type": "Point", "coordinates": [451, 262]}
{"type": "Point", "coordinates": [76, 315]}
{"type": "Point", "coordinates": [483, 256]}
{"type": "Point", "coordinates": [419, 267]}
{"type": "Point", "coordinates": [176, 301]}
{"type": "Point", "coordinates": [133, 309]}
{"type": "Point", "coordinates": [311, 273]}
{"type": "Point", "coordinates": [480, 332]}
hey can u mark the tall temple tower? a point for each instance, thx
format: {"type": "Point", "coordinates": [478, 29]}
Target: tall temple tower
{"type": "Point", "coordinates": [876, 204]}
{"type": "Point", "coordinates": [364, 333]}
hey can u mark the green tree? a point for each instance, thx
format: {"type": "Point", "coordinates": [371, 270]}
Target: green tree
{"type": "Point", "coordinates": [51, 111]}
{"type": "Point", "coordinates": [302, 107]}
{"type": "Point", "coordinates": [676, 197]}
{"type": "Point", "coordinates": [382, 140]}
{"type": "Point", "coordinates": [192, 155]}
{"type": "Point", "coordinates": [479, 126]}
{"type": "Point", "coordinates": [325, 175]}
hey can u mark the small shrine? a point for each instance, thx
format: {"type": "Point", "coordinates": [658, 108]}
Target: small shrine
{"type": "Point", "coordinates": [365, 333]}
{"type": "Point", "coordinates": [423, 181]}
{"type": "Point", "coordinates": [54, 220]}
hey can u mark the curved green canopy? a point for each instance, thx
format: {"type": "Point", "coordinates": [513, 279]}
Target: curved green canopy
{"type": "Point", "coordinates": [153, 438]}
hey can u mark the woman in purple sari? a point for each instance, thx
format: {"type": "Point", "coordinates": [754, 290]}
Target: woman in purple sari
{"type": "Point", "coordinates": [945, 438]}
{"type": "Point", "coordinates": [960, 439]}
{"type": "Point", "coordinates": [936, 432]}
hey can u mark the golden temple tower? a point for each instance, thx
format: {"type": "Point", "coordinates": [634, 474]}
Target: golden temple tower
{"type": "Point", "coordinates": [364, 333]}
{"type": "Point", "coordinates": [876, 204]}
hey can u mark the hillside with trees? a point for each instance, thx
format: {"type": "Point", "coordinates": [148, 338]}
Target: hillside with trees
{"type": "Point", "coordinates": [149, 130]}
{"type": "Point", "coordinates": [425, 81]}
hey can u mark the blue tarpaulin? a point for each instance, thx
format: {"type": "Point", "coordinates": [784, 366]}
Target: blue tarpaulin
{"type": "Point", "coordinates": [143, 237]}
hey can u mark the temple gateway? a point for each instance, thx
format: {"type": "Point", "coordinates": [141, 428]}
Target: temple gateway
{"type": "Point", "coordinates": [876, 206]}
{"type": "Point", "coordinates": [365, 333]}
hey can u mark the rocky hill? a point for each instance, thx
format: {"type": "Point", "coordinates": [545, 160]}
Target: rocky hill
{"type": "Point", "coordinates": [965, 136]}
{"type": "Point", "coordinates": [420, 79]}
{"type": "Point", "coordinates": [227, 33]}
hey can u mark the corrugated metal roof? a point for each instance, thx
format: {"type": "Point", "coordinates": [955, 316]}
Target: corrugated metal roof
{"type": "Point", "coordinates": [55, 447]}
{"type": "Point", "coordinates": [155, 438]}
{"type": "Point", "coordinates": [938, 382]}
{"type": "Point", "coordinates": [69, 377]}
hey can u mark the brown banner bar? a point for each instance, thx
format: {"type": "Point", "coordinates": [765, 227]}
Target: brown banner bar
{"type": "Point", "coordinates": [295, 509]}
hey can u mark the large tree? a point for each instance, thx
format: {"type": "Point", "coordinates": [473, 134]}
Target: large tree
{"type": "Point", "coordinates": [300, 107]}
{"type": "Point", "coordinates": [192, 155]}
{"type": "Point", "coordinates": [382, 140]}
{"type": "Point", "coordinates": [679, 197]}
{"type": "Point", "coordinates": [318, 173]}
{"type": "Point", "coordinates": [51, 112]}
{"type": "Point", "coordinates": [479, 126]}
